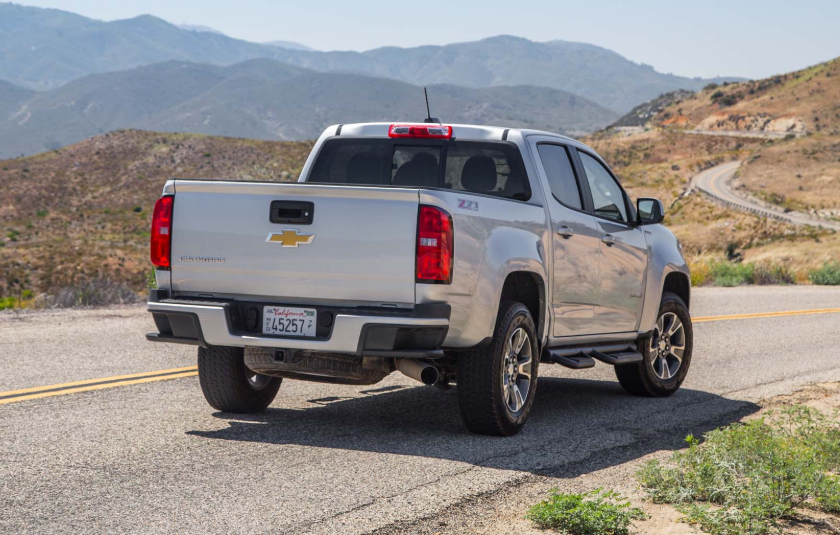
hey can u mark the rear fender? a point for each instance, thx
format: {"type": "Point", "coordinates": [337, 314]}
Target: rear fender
{"type": "Point", "coordinates": [493, 239]}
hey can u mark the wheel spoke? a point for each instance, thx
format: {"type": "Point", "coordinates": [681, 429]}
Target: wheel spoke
{"type": "Point", "coordinates": [675, 357]}
{"type": "Point", "coordinates": [675, 326]}
{"type": "Point", "coordinates": [520, 338]}
{"type": "Point", "coordinates": [519, 402]}
{"type": "Point", "coordinates": [666, 369]}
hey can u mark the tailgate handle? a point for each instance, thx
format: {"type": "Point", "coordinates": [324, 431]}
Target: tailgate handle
{"type": "Point", "coordinates": [297, 212]}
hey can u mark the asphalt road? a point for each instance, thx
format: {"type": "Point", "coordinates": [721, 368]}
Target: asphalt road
{"type": "Point", "coordinates": [154, 458]}
{"type": "Point", "coordinates": [716, 183]}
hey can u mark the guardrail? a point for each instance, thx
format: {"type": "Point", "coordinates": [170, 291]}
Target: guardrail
{"type": "Point", "coordinates": [758, 211]}
{"type": "Point", "coordinates": [731, 204]}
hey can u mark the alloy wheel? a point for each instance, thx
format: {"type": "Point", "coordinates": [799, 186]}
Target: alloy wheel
{"type": "Point", "coordinates": [516, 372]}
{"type": "Point", "coordinates": [667, 346]}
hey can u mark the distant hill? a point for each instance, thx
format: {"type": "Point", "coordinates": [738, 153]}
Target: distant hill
{"type": "Point", "coordinates": [593, 72]}
{"type": "Point", "coordinates": [199, 28]}
{"type": "Point", "coordinates": [45, 48]}
{"type": "Point", "coordinates": [291, 45]}
{"type": "Point", "coordinates": [266, 99]}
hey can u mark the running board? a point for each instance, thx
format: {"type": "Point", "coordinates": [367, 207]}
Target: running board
{"type": "Point", "coordinates": [581, 358]}
{"type": "Point", "coordinates": [575, 362]}
{"type": "Point", "coordinates": [616, 359]}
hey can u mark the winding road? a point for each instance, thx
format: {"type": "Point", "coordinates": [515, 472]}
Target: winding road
{"type": "Point", "coordinates": [715, 182]}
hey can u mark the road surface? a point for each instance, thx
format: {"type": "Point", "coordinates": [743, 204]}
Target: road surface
{"type": "Point", "coordinates": [149, 455]}
{"type": "Point", "coordinates": [715, 182]}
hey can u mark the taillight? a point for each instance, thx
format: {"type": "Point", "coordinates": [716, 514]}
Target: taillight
{"type": "Point", "coordinates": [434, 246]}
{"type": "Point", "coordinates": [162, 232]}
{"type": "Point", "coordinates": [435, 131]}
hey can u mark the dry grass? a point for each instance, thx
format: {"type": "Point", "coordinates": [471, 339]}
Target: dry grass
{"type": "Point", "coordinates": [82, 213]}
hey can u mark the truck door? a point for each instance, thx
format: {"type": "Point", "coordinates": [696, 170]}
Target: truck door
{"type": "Point", "coordinates": [623, 251]}
{"type": "Point", "coordinates": [575, 241]}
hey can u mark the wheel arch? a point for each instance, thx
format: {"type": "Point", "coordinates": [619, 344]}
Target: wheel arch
{"type": "Point", "coordinates": [678, 284]}
{"type": "Point", "coordinates": [528, 288]}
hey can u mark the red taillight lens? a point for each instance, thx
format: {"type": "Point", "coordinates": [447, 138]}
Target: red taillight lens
{"type": "Point", "coordinates": [162, 232]}
{"type": "Point", "coordinates": [435, 131]}
{"type": "Point", "coordinates": [434, 246]}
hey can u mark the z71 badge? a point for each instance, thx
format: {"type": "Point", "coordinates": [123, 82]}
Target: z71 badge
{"type": "Point", "coordinates": [468, 205]}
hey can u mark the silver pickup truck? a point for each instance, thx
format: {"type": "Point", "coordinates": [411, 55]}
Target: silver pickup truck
{"type": "Point", "coordinates": [453, 254]}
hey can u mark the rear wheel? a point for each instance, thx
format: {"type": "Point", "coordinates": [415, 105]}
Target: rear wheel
{"type": "Point", "coordinates": [667, 353]}
{"type": "Point", "coordinates": [228, 385]}
{"type": "Point", "coordinates": [496, 384]}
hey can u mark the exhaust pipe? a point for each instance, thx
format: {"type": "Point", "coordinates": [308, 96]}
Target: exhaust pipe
{"type": "Point", "coordinates": [419, 371]}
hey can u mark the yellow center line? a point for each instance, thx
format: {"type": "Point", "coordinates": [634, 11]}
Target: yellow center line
{"type": "Point", "coordinates": [90, 385]}
{"type": "Point", "coordinates": [92, 381]}
{"type": "Point", "coordinates": [91, 388]}
{"type": "Point", "coordinates": [703, 319]}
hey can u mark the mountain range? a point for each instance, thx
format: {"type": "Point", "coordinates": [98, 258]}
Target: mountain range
{"type": "Point", "coordinates": [46, 48]}
{"type": "Point", "coordinates": [265, 99]}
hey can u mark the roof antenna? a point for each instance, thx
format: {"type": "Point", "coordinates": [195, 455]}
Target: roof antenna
{"type": "Point", "coordinates": [429, 118]}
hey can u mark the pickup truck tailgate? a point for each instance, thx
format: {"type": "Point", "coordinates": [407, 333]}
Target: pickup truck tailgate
{"type": "Point", "coordinates": [360, 250]}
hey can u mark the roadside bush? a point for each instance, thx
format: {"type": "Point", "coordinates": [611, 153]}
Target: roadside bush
{"type": "Point", "coordinates": [773, 274]}
{"type": "Point", "coordinates": [90, 294]}
{"type": "Point", "coordinates": [731, 274]}
{"type": "Point", "coordinates": [753, 474]}
{"type": "Point", "coordinates": [828, 274]}
{"type": "Point", "coordinates": [591, 513]}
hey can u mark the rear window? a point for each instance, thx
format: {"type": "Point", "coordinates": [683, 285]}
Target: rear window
{"type": "Point", "coordinates": [490, 168]}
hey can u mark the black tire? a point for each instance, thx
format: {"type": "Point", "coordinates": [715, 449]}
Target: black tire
{"type": "Point", "coordinates": [480, 377]}
{"type": "Point", "coordinates": [641, 378]}
{"type": "Point", "coordinates": [225, 381]}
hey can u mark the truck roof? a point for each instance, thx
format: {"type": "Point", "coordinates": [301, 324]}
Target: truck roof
{"type": "Point", "coordinates": [461, 131]}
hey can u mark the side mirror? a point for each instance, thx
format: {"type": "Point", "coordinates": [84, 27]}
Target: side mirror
{"type": "Point", "coordinates": [650, 211]}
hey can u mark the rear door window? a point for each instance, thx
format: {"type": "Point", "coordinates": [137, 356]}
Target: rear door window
{"type": "Point", "coordinates": [560, 174]}
{"type": "Point", "coordinates": [477, 167]}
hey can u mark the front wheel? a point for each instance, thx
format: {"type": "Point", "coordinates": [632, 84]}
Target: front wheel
{"type": "Point", "coordinates": [667, 353]}
{"type": "Point", "coordinates": [229, 386]}
{"type": "Point", "coordinates": [496, 384]}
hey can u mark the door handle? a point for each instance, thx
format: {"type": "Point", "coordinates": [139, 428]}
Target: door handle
{"type": "Point", "coordinates": [609, 239]}
{"type": "Point", "coordinates": [566, 232]}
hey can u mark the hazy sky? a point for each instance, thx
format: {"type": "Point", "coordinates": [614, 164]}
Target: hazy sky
{"type": "Point", "coordinates": [751, 38]}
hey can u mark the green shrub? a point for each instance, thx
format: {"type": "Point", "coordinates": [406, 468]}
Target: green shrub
{"type": "Point", "coordinates": [591, 513]}
{"type": "Point", "coordinates": [754, 474]}
{"type": "Point", "coordinates": [828, 274]}
{"type": "Point", "coordinates": [732, 274]}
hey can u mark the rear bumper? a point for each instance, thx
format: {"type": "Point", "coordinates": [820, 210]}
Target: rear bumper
{"type": "Point", "coordinates": [418, 333]}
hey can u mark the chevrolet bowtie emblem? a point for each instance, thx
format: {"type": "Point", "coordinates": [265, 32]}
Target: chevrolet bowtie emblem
{"type": "Point", "coordinates": [289, 238]}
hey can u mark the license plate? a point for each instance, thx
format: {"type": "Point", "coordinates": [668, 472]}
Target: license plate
{"type": "Point", "coordinates": [289, 321]}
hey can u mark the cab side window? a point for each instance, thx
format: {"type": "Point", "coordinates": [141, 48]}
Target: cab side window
{"type": "Point", "coordinates": [607, 197]}
{"type": "Point", "coordinates": [560, 175]}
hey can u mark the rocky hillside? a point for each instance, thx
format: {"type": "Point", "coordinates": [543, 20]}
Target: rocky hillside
{"type": "Point", "coordinates": [83, 212]}
{"type": "Point", "coordinates": [799, 113]}
{"type": "Point", "coordinates": [785, 128]}
{"type": "Point", "coordinates": [643, 113]}
{"type": "Point", "coordinates": [265, 99]}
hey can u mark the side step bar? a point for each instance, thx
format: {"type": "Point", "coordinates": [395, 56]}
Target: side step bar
{"type": "Point", "coordinates": [580, 358]}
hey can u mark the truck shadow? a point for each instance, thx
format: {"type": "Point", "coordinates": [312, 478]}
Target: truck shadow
{"type": "Point", "coordinates": [576, 426]}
